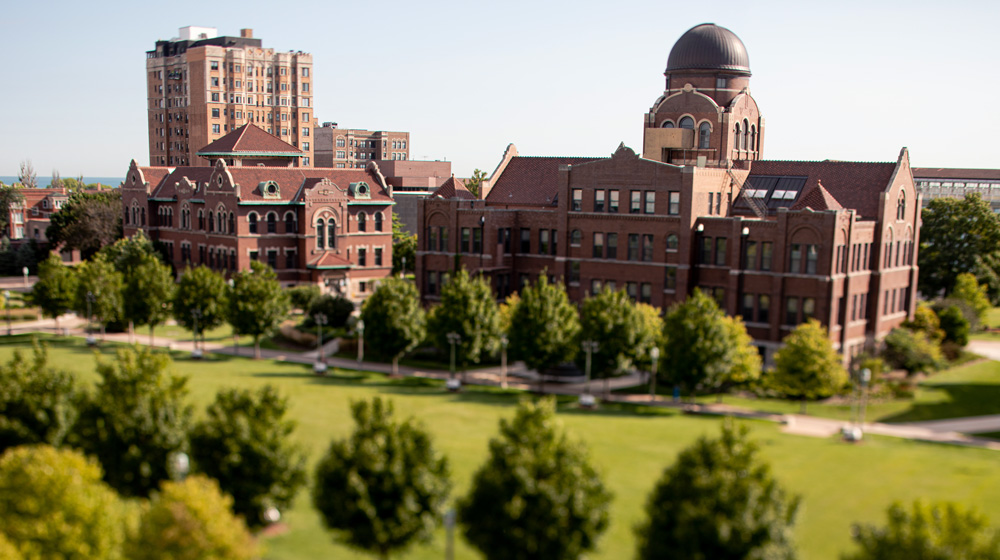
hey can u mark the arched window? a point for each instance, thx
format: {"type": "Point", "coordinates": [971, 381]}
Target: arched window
{"type": "Point", "coordinates": [232, 222]}
{"type": "Point", "coordinates": [378, 221]}
{"type": "Point", "coordinates": [143, 216]}
{"type": "Point", "coordinates": [704, 134]}
{"type": "Point", "coordinates": [901, 206]}
{"type": "Point", "coordinates": [331, 233]}
{"type": "Point", "coordinates": [291, 226]}
{"type": "Point", "coordinates": [232, 259]}
{"type": "Point", "coordinates": [736, 139]}
{"type": "Point", "coordinates": [753, 138]}
{"type": "Point", "coordinates": [211, 221]}
{"type": "Point", "coordinates": [672, 242]}
{"type": "Point", "coordinates": [272, 222]}
{"type": "Point", "coordinates": [127, 217]}
{"type": "Point", "coordinates": [746, 132]}
{"type": "Point", "coordinates": [687, 122]}
{"type": "Point", "coordinates": [201, 220]}
{"type": "Point", "coordinates": [220, 219]}
{"type": "Point", "coordinates": [362, 221]}
{"type": "Point", "coordinates": [575, 237]}
{"type": "Point", "coordinates": [252, 220]}
{"type": "Point", "coordinates": [320, 234]}
{"type": "Point", "coordinates": [667, 124]}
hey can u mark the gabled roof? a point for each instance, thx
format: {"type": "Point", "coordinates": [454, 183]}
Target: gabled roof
{"type": "Point", "coordinates": [855, 185]}
{"type": "Point", "coordinates": [532, 181]}
{"type": "Point", "coordinates": [153, 175]}
{"type": "Point", "coordinates": [454, 188]}
{"type": "Point", "coordinates": [817, 198]}
{"type": "Point", "coordinates": [250, 139]}
{"type": "Point", "coordinates": [329, 260]}
{"type": "Point", "coordinates": [167, 187]}
{"type": "Point", "coordinates": [950, 173]}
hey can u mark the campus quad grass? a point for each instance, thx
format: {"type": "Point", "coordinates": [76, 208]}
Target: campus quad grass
{"type": "Point", "coordinates": [840, 483]}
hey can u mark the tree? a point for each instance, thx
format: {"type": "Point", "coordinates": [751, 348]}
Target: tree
{"type": "Point", "coordinates": [26, 175]}
{"type": "Point", "coordinates": [135, 419]}
{"type": "Point", "coordinates": [926, 320]}
{"type": "Point", "coordinates": [959, 235]}
{"type": "Point", "coordinates": [100, 284]}
{"type": "Point", "coordinates": [57, 182]}
{"type": "Point", "coordinates": [942, 531]}
{"type": "Point", "coordinates": [303, 296]}
{"type": "Point", "coordinates": [203, 290]}
{"type": "Point", "coordinates": [610, 319]}
{"type": "Point", "coordinates": [537, 495]}
{"type": "Point", "coordinates": [954, 325]}
{"type": "Point", "coordinates": [245, 444]}
{"type": "Point", "coordinates": [191, 520]}
{"type": "Point", "coordinates": [475, 183]}
{"type": "Point", "coordinates": [746, 363]}
{"type": "Point", "coordinates": [807, 367]}
{"type": "Point", "coordinates": [718, 500]}
{"type": "Point", "coordinates": [37, 402]}
{"type": "Point", "coordinates": [544, 326]}
{"type": "Point", "coordinates": [338, 310]}
{"type": "Point", "coordinates": [467, 308]}
{"type": "Point", "coordinates": [8, 550]}
{"type": "Point", "coordinates": [912, 351]}
{"type": "Point", "coordinates": [384, 486]}
{"type": "Point", "coordinates": [404, 248]}
{"type": "Point", "coordinates": [55, 290]}
{"type": "Point", "coordinates": [968, 290]}
{"type": "Point", "coordinates": [257, 304]}
{"type": "Point", "coordinates": [394, 321]}
{"type": "Point", "coordinates": [703, 350]}
{"type": "Point", "coordinates": [148, 293]}
{"type": "Point", "coordinates": [10, 195]}
{"type": "Point", "coordinates": [87, 222]}
{"type": "Point", "coordinates": [54, 505]}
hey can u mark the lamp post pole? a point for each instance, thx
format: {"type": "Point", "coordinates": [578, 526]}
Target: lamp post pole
{"type": "Point", "coordinates": [452, 383]}
{"type": "Point", "coordinates": [654, 354]}
{"type": "Point", "coordinates": [503, 361]}
{"type": "Point", "coordinates": [744, 235]}
{"type": "Point", "coordinates": [236, 337]}
{"type": "Point", "coordinates": [866, 377]}
{"type": "Point", "coordinates": [696, 273]}
{"type": "Point", "coordinates": [589, 346]}
{"type": "Point", "coordinates": [179, 465]}
{"type": "Point", "coordinates": [196, 314]}
{"type": "Point", "coordinates": [361, 341]}
{"type": "Point", "coordinates": [320, 365]}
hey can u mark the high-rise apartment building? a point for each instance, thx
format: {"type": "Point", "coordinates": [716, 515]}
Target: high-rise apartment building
{"type": "Point", "coordinates": [201, 86]}
{"type": "Point", "coordinates": [354, 147]}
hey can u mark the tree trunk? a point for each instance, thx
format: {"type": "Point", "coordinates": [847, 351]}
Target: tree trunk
{"type": "Point", "coordinates": [102, 331]}
{"type": "Point", "coordinates": [152, 327]}
{"type": "Point", "coordinates": [802, 407]}
{"type": "Point", "coordinates": [57, 325]}
{"type": "Point", "coordinates": [395, 366]}
{"type": "Point", "coordinates": [131, 332]}
{"type": "Point", "coordinates": [256, 347]}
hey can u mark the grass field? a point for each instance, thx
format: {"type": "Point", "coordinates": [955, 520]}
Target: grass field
{"type": "Point", "coordinates": [840, 483]}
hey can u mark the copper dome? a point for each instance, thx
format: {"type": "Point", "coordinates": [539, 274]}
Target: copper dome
{"type": "Point", "coordinates": [709, 47]}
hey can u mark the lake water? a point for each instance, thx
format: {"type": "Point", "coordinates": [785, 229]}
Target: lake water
{"type": "Point", "coordinates": [44, 181]}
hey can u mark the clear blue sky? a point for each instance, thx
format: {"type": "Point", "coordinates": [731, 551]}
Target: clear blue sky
{"type": "Point", "coordinates": [840, 80]}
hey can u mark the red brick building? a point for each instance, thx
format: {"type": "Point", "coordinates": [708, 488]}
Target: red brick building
{"type": "Point", "coordinates": [331, 227]}
{"type": "Point", "coordinates": [30, 217]}
{"type": "Point", "coordinates": [777, 242]}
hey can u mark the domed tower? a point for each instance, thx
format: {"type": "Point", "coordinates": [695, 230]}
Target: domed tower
{"type": "Point", "coordinates": [706, 115]}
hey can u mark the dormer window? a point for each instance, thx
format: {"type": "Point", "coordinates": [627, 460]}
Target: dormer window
{"type": "Point", "coordinates": [359, 190]}
{"type": "Point", "coordinates": [269, 189]}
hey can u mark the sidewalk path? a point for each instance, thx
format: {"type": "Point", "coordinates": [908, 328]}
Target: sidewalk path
{"type": "Point", "coordinates": [968, 425]}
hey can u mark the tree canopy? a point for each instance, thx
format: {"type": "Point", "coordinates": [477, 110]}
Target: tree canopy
{"type": "Point", "coordinates": [718, 500]}
{"type": "Point", "coordinates": [257, 304]}
{"type": "Point", "coordinates": [610, 319]}
{"type": "Point", "coordinates": [99, 282]}
{"type": "Point", "coordinates": [959, 235]}
{"type": "Point", "coordinates": [38, 403]}
{"type": "Point", "coordinates": [245, 443]}
{"type": "Point", "coordinates": [148, 293]}
{"type": "Point", "coordinates": [537, 495]}
{"type": "Point", "coordinates": [204, 290]}
{"type": "Point", "coordinates": [467, 308]}
{"type": "Point", "coordinates": [384, 487]}
{"type": "Point", "coordinates": [394, 320]}
{"type": "Point", "coordinates": [475, 183]}
{"type": "Point", "coordinates": [912, 351]}
{"type": "Point", "coordinates": [404, 247]}
{"type": "Point", "coordinates": [55, 290]}
{"type": "Point", "coordinates": [544, 326]}
{"type": "Point", "coordinates": [942, 531]}
{"type": "Point", "coordinates": [968, 290]}
{"type": "Point", "coordinates": [88, 221]}
{"type": "Point", "coordinates": [807, 367]}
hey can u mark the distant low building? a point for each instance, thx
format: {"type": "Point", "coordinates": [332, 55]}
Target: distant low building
{"type": "Point", "coordinates": [956, 183]}
{"type": "Point", "coordinates": [353, 147]}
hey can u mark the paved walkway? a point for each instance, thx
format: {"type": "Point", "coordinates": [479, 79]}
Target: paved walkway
{"type": "Point", "coordinates": [519, 377]}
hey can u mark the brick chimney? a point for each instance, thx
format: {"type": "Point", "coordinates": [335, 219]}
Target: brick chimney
{"type": "Point", "coordinates": [246, 33]}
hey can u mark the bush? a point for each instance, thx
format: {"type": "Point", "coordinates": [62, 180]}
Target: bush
{"type": "Point", "coordinates": [303, 296]}
{"type": "Point", "coordinates": [912, 351]}
{"type": "Point", "coordinates": [954, 325]}
{"type": "Point", "coordinates": [336, 308]}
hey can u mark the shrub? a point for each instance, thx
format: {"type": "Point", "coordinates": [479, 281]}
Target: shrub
{"type": "Point", "coordinates": [912, 351]}
{"type": "Point", "coordinates": [336, 308]}
{"type": "Point", "coordinates": [303, 296]}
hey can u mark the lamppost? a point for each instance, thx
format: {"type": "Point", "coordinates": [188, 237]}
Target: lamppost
{"type": "Point", "coordinates": [654, 354]}
{"type": "Point", "coordinates": [25, 272]}
{"type": "Point", "coordinates": [587, 399]}
{"type": "Point", "coordinates": [449, 527]}
{"type": "Point", "coordinates": [696, 273]}
{"type": "Point", "coordinates": [361, 340]}
{"type": "Point", "coordinates": [179, 465]}
{"type": "Point", "coordinates": [855, 433]}
{"type": "Point", "coordinates": [503, 361]}
{"type": "Point", "coordinates": [320, 365]}
{"type": "Point", "coordinates": [482, 241]}
{"type": "Point", "coordinates": [196, 314]}
{"type": "Point", "coordinates": [272, 515]}
{"type": "Point", "coordinates": [744, 235]}
{"type": "Point", "coordinates": [453, 384]}
{"type": "Point", "coordinates": [402, 269]}
{"type": "Point", "coordinates": [6, 300]}
{"type": "Point", "coordinates": [90, 333]}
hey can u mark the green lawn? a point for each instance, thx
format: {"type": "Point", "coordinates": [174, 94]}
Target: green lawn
{"type": "Point", "coordinates": [841, 483]}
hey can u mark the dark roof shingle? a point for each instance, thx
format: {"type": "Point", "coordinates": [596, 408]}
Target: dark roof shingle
{"type": "Point", "coordinates": [855, 185]}
{"type": "Point", "coordinates": [250, 138]}
{"type": "Point", "coordinates": [454, 188]}
{"type": "Point", "coordinates": [532, 181]}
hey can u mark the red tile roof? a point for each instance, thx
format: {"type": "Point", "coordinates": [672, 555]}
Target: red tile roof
{"type": "Point", "coordinates": [855, 185]}
{"type": "Point", "coordinates": [531, 180]}
{"type": "Point", "coordinates": [949, 173]}
{"type": "Point", "coordinates": [817, 198]}
{"type": "Point", "coordinates": [454, 188]}
{"type": "Point", "coordinates": [250, 138]}
{"type": "Point", "coordinates": [329, 259]}
{"type": "Point", "coordinates": [153, 175]}
{"type": "Point", "coordinates": [167, 187]}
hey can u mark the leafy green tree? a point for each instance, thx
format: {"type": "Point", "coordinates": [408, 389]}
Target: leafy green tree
{"type": "Point", "coordinates": [928, 532]}
{"type": "Point", "coordinates": [537, 495]}
{"type": "Point", "coordinates": [203, 290]}
{"type": "Point", "coordinates": [303, 296]}
{"type": "Point", "coordinates": [925, 320]}
{"type": "Point", "coordinates": [718, 500]}
{"type": "Point", "coordinates": [404, 248]}
{"type": "Point", "coordinates": [394, 320]}
{"type": "Point", "coordinates": [245, 444]}
{"type": "Point", "coordinates": [191, 520]}
{"type": "Point", "coordinates": [54, 505]}
{"type": "Point", "coordinates": [703, 350]}
{"type": "Point", "coordinates": [912, 351]}
{"type": "Point", "coordinates": [8, 550]}
{"type": "Point", "coordinates": [468, 308]}
{"type": "Point", "coordinates": [10, 195]}
{"type": "Point", "coordinates": [807, 367]}
{"type": "Point", "coordinates": [544, 326]}
{"type": "Point", "coordinates": [746, 362]}
{"type": "Point", "coordinates": [959, 235]}
{"type": "Point", "coordinates": [968, 290]}
{"type": "Point", "coordinates": [148, 294]}
{"type": "Point", "coordinates": [88, 221]}
{"type": "Point", "coordinates": [128, 253]}
{"type": "Point", "coordinates": [383, 487]}
{"type": "Point", "coordinates": [55, 290]}
{"type": "Point", "coordinates": [475, 183]}
{"type": "Point", "coordinates": [37, 402]}
{"type": "Point", "coordinates": [610, 319]}
{"type": "Point", "coordinates": [100, 283]}
{"type": "Point", "coordinates": [954, 325]}
{"type": "Point", "coordinates": [337, 309]}
{"type": "Point", "coordinates": [135, 419]}
{"type": "Point", "coordinates": [506, 312]}
{"type": "Point", "coordinates": [257, 304]}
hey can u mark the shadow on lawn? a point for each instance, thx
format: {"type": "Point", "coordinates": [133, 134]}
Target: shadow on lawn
{"type": "Point", "coordinates": [963, 399]}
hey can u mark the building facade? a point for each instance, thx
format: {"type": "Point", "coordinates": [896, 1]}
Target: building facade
{"type": "Point", "coordinates": [353, 147]}
{"type": "Point", "coordinates": [777, 242]}
{"type": "Point", "coordinates": [30, 217]}
{"type": "Point", "coordinates": [201, 86]}
{"type": "Point", "coordinates": [956, 183]}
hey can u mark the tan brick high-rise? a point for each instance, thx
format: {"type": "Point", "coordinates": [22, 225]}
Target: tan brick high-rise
{"type": "Point", "coordinates": [201, 86]}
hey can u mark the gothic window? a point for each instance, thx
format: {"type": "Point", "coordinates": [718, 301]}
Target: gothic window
{"type": "Point", "coordinates": [667, 124]}
{"type": "Point", "coordinates": [362, 221]}
{"type": "Point", "coordinates": [272, 222]}
{"type": "Point", "coordinates": [320, 235]}
{"type": "Point", "coordinates": [736, 139]}
{"type": "Point", "coordinates": [746, 132]}
{"type": "Point", "coordinates": [291, 225]}
{"type": "Point", "coordinates": [378, 221]}
{"type": "Point", "coordinates": [704, 134]}
{"type": "Point", "coordinates": [753, 138]}
{"type": "Point", "coordinates": [252, 220]}
{"type": "Point", "coordinates": [687, 122]}
{"type": "Point", "coordinates": [901, 207]}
